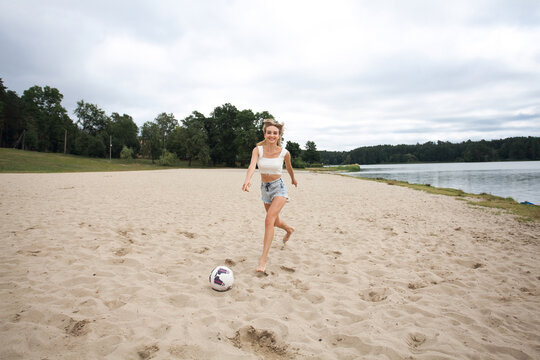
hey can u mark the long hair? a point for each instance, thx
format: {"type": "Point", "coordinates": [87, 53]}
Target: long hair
{"type": "Point", "coordinates": [272, 122]}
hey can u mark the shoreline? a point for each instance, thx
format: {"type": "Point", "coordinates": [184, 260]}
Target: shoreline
{"type": "Point", "coordinates": [515, 179]}
{"type": "Point", "coordinates": [525, 212]}
{"type": "Point", "coordinates": [116, 264]}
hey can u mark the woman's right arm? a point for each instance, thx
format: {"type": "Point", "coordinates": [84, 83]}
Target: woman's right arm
{"type": "Point", "coordinates": [251, 169]}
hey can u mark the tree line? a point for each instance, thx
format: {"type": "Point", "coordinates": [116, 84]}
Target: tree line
{"type": "Point", "coordinates": [38, 121]}
{"type": "Point", "coordinates": [513, 148]}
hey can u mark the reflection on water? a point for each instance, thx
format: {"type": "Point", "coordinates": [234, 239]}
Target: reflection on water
{"type": "Point", "coordinates": [517, 179]}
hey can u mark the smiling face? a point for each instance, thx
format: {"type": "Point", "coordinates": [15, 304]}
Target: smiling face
{"type": "Point", "coordinates": [271, 134]}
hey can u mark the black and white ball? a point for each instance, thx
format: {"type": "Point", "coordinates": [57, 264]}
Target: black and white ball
{"type": "Point", "coordinates": [221, 278]}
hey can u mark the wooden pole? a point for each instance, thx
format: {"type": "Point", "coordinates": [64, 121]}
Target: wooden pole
{"type": "Point", "coordinates": [65, 141]}
{"type": "Point", "coordinates": [110, 147]}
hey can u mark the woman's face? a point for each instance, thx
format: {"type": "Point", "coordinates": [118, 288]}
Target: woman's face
{"type": "Point", "coordinates": [271, 134]}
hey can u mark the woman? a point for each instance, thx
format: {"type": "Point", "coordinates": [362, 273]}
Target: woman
{"type": "Point", "coordinates": [268, 155]}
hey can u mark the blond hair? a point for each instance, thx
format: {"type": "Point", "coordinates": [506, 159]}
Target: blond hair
{"type": "Point", "coordinates": [272, 122]}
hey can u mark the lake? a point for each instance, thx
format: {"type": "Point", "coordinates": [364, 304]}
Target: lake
{"type": "Point", "coordinates": [517, 179]}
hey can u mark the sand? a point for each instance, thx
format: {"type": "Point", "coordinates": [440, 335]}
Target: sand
{"type": "Point", "coordinates": [116, 265]}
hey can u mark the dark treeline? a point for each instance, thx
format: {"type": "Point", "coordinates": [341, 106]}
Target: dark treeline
{"type": "Point", "coordinates": [514, 148]}
{"type": "Point", "coordinates": [38, 121]}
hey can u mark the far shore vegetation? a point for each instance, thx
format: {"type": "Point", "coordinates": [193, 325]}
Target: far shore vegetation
{"type": "Point", "coordinates": [509, 149]}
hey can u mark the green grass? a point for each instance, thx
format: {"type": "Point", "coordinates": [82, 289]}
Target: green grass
{"type": "Point", "coordinates": [340, 168]}
{"type": "Point", "coordinates": [19, 161]}
{"type": "Point", "coordinates": [526, 213]}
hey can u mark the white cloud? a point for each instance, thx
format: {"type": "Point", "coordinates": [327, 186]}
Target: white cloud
{"type": "Point", "coordinates": [341, 73]}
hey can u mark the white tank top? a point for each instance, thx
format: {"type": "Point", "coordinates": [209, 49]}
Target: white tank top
{"type": "Point", "coordinates": [271, 166]}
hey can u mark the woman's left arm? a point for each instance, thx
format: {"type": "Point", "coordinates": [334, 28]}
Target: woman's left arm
{"type": "Point", "coordinates": [290, 168]}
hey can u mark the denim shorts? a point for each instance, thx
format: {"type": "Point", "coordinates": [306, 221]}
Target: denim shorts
{"type": "Point", "coordinates": [269, 190]}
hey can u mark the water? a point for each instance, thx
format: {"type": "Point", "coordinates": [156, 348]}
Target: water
{"type": "Point", "coordinates": [519, 180]}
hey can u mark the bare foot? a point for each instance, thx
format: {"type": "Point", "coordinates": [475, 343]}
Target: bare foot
{"type": "Point", "coordinates": [288, 235]}
{"type": "Point", "coordinates": [262, 266]}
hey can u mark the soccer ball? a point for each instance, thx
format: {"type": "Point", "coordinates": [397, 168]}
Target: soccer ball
{"type": "Point", "coordinates": [221, 278]}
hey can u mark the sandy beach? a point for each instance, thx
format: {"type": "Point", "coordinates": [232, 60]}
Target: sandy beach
{"type": "Point", "coordinates": [116, 265]}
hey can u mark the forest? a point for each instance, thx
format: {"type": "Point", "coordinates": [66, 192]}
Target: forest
{"type": "Point", "coordinates": [37, 121]}
{"type": "Point", "coordinates": [513, 148]}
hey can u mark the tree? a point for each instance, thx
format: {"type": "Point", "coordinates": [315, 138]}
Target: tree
{"type": "Point", "coordinates": [246, 136]}
{"type": "Point", "coordinates": [3, 118]}
{"type": "Point", "coordinates": [223, 134]}
{"type": "Point", "coordinates": [46, 118]}
{"type": "Point", "coordinates": [12, 122]}
{"type": "Point", "coordinates": [294, 149]}
{"type": "Point", "coordinates": [95, 131]}
{"type": "Point", "coordinates": [166, 123]}
{"type": "Point", "coordinates": [151, 140]}
{"type": "Point", "coordinates": [311, 155]}
{"type": "Point", "coordinates": [124, 132]}
{"type": "Point", "coordinates": [193, 135]}
{"type": "Point", "coordinates": [477, 151]}
{"type": "Point", "coordinates": [92, 119]}
{"type": "Point", "coordinates": [177, 142]}
{"type": "Point", "coordinates": [126, 153]}
{"type": "Point", "coordinates": [96, 146]}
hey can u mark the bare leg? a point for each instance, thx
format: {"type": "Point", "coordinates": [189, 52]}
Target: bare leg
{"type": "Point", "coordinates": [288, 229]}
{"type": "Point", "coordinates": [282, 225]}
{"type": "Point", "coordinates": [272, 213]}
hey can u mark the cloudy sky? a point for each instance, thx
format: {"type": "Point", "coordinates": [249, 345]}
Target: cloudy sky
{"type": "Point", "coordinates": [341, 73]}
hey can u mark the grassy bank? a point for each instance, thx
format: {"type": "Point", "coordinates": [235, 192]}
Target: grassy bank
{"type": "Point", "coordinates": [340, 168]}
{"type": "Point", "coordinates": [524, 212]}
{"type": "Point", "coordinates": [19, 161]}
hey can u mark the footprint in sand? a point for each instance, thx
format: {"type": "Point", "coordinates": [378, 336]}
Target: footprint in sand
{"type": "Point", "coordinates": [114, 304]}
{"type": "Point", "coordinates": [287, 269]}
{"type": "Point", "coordinates": [230, 262]}
{"type": "Point", "coordinates": [299, 285]}
{"type": "Point", "coordinates": [335, 254]}
{"type": "Point", "coordinates": [339, 231]}
{"type": "Point", "coordinates": [414, 340]}
{"type": "Point", "coordinates": [416, 285]}
{"type": "Point", "coordinates": [260, 342]}
{"type": "Point", "coordinates": [123, 233]}
{"type": "Point", "coordinates": [29, 252]}
{"type": "Point", "coordinates": [121, 252]}
{"type": "Point", "coordinates": [77, 328]}
{"type": "Point", "coordinates": [374, 295]}
{"type": "Point", "coordinates": [187, 234]}
{"type": "Point", "coordinates": [203, 250]}
{"type": "Point", "coordinates": [148, 351]}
